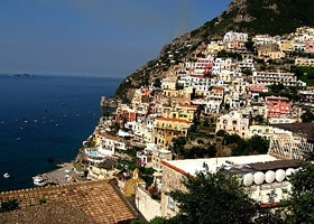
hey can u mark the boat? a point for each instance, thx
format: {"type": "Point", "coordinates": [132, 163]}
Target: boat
{"type": "Point", "coordinates": [6, 175]}
{"type": "Point", "coordinates": [40, 180]}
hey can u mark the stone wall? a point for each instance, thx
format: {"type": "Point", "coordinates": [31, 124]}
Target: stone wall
{"type": "Point", "coordinates": [171, 180]}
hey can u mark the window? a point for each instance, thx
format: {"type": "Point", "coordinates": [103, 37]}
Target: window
{"type": "Point", "coordinates": [171, 203]}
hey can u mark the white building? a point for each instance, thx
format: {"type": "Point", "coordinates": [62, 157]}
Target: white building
{"type": "Point", "coordinates": [235, 36]}
{"type": "Point", "coordinates": [269, 78]}
{"type": "Point", "coordinates": [221, 64]}
{"type": "Point", "coordinates": [236, 122]}
{"type": "Point", "coordinates": [264, 39]}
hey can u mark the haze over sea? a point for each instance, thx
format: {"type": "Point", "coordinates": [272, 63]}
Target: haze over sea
{"type": "Point", "coordinates": [43, 121]}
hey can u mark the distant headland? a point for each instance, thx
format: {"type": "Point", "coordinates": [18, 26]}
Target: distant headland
{"type": "Point", "coordinates": [22, 75]}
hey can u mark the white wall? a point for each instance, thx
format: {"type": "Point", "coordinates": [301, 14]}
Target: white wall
{"type": "Point", "coordinates": [149, 207]}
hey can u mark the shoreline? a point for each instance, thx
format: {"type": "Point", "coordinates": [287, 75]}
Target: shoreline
{"type": "Point", "coordinates": [63, 174]}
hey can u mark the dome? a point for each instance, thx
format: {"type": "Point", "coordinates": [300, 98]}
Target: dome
{"type": "Point", "coordinates": [280, 175]}
{"type": "Point", "coordinates": [289, 172]}
{"type": "Point", "coordinates": [259, 178]}
{"type": "Point", "coordinates": [248, 179]}
{"type": "Point", "coordinates": [270, 176]}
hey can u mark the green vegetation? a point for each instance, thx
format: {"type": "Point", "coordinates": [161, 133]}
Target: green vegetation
{"type": "Point", "coordinates": [247, 72]}
{"type": "Point", "coordinates": [306, 74]}
{"type": "Point", "coordinates": [302, 202]}
{"type": "Point", "coordinates": [308, 116]}
{"type": "Point", "coordinates": [10, 205]}
{"type": "Point", "coordinates": [291, 92]}
{"type": "Point", "coordinates": [227, 54]}
{"type": "Point", "coordinates": [259, 119]}
{"type": "Point", "coordinates": [254, 145]}
{"type": "Point", "coordinates": [132, 152]}
{"type": "Point", "coordinates": [179, 86]}
{"type": "Point", "coordinates": [201, 149]}
{"type": "Point", "coordinates": [115, 127]}
{"type": "Point", "coordinates": [78, 167]}
{"type": "Point", "coordinates": [157, 83]}
{"type": "Point", "coordinates": [130, 163]}
{"type": "Point", "coordinates": [218, 198]}
{"type": "Point", "coordinates": [122, 89]}
{"type": "Point", "coordinates": [42, 200]}
{"type": "Point", "coordinates": [239, 146]}
{"type": "Point", "coordinates": [212, 198]}
{"type": "Point", "coordinates": [272, 17]}
{"type": "Point", "coordinates": [250, 45]}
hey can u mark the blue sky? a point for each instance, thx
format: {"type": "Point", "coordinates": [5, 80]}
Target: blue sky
{"type": "Point", "coordinates": [93, 37]}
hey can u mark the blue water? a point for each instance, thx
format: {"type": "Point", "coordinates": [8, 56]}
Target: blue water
{"type": "Point", "coordinates": [44, 120]}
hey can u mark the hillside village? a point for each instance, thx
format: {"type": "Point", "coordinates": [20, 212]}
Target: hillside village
{"type": "Point", "coordinates": [244, 103]}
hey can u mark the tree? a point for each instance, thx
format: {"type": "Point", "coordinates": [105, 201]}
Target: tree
{"type": "Point", "coordinates": [258, 145]}
{"type": "Point", "coordinates": [211, 150]}
{"type": "Point", "coordinates": [234, 138]}
{"type": "Point", "coordinates": [221, 133]}
{"type": "Point", "coordinates": [249, 45]}
{"type": "Point", "coordinates": [178, 145]}
{"type": "Point", "coordinates": [277, 88]}
{"type": "Point", "coordinates": [308, 116]}
{"type": "Point", "coordinates": [179, 86]}
{"type": "Point", "coordinates": [206, 122]}
{"type": "Point", "coordinates": [259, 119]}
{"type": "Point", "coordinates": [9, 205]}
{"type": "Point", "coordinates": [157, 83]}
{"type": "Point", "coordinates": [212, 198]}
{"type": "Point", "coordinates": [247, 72]}
{"type": "Point", "coordinates": [302, 196]}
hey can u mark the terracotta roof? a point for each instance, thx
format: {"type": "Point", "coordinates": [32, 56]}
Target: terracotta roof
{"type": "Point", "coordinates": [147, 92]}
{"type": "Point", "coordinates": [164, 162]}
{"type": "Point", "coordinates": [189, 106]}
{"type": "Point", "coordinates": [277, 164]}
{"type": "Point", "coordinates": [98, 199]}
{"type": "Point", "coordinates": [111, 137]}
{"type": "Point", "coordinates": [48, 213]}
{"type": "Point", "coordinates": [219, 88]}
{"type": "Point", "coordinates": [172, 120]}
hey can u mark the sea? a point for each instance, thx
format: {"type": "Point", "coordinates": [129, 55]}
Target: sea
{"type": "Point", "coordinates": [44, 120]}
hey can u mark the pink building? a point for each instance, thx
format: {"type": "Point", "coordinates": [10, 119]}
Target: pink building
{"type": "Point", "coordinates": [258, 88]}
{"type": "Point", "coordinates": [309, 46]}
{"type": "Point", "coordinates": [279, 109]}
{"type": "Point", "coordinates": [272, 100]}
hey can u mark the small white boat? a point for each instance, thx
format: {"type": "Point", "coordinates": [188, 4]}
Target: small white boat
{"type": "Point", "coordinates": [40, 180]}
{"type": "Point", "coordinates": [6, 175]}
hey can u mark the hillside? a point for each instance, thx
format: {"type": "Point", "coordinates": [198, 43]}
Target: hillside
{"type": "Point", "coordinates": [275, 17]}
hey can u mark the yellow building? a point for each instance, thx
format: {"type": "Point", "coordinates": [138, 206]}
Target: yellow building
{"type": "Point", "coordinates": [287, 45]}
{"type": "Point", "coordinates": [214, 48]}
{"type": "Point", "coordinates": [299, 61]}
{"type": "Point", "coordinates": [183, 112]}
{"type": "Point", "coordinates": [169, 128]}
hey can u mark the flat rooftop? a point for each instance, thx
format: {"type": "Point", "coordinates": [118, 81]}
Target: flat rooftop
{"type": "Point", "coordinates": [192, 166]}
{"type": "Point", "coordinates": [305, 130]}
